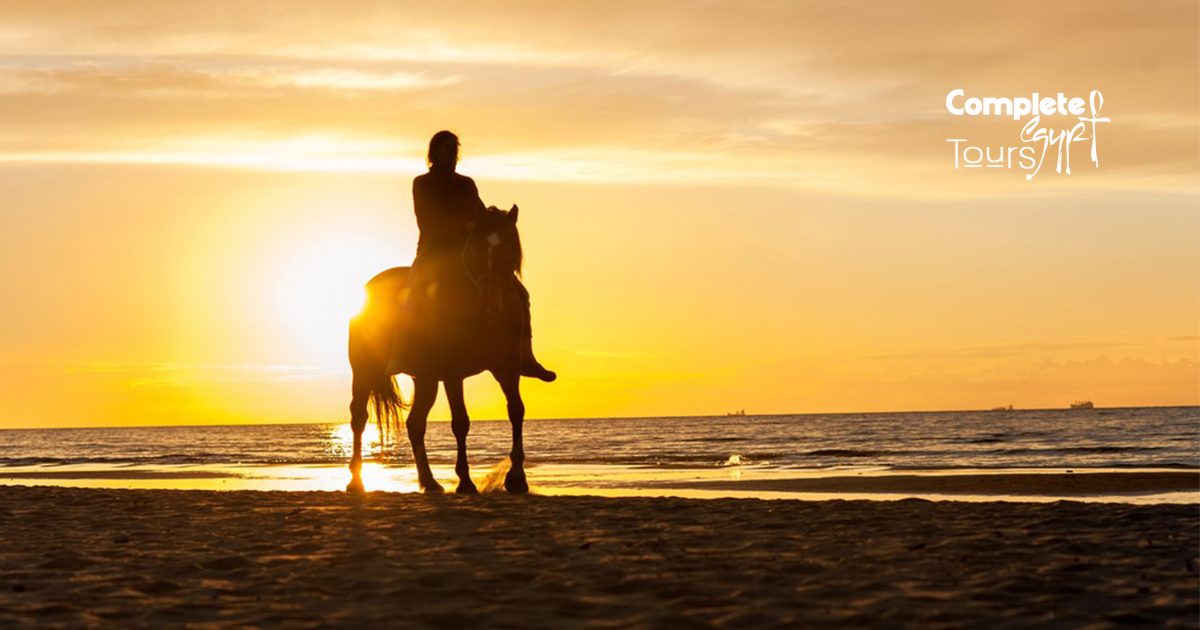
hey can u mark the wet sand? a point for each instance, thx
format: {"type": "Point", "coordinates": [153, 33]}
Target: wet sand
{"type": "Point", "coordinates": [1145, 486]}
{"type": "Point", "coordinates": [1017, 484]}
{"type": "Point", "coordinates": [202, 559]}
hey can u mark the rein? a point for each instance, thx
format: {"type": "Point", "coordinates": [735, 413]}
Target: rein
{"type": "Point", "coordinates": [476, 280]}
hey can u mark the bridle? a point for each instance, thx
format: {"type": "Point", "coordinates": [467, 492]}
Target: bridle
{"type": "Point", "coordinates": [488, 277]}
{"type": "Point", "coordinates": [478, 280]}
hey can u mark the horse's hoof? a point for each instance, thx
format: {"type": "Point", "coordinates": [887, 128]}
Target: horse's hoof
{"type": "Point", "coordinates": [356, 486]}
{"type": "Point", "coordinates": [432, 487]}
{"type": "Point", "coordinates": [466, 486]}
{"type": "Point", "coordinates": [515, 482]}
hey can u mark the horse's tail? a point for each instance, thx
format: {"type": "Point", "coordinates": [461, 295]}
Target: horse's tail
{"type": "Point", "coordinates": [387, 403]}
{"type": "Point", "coordinates": [370, 350]}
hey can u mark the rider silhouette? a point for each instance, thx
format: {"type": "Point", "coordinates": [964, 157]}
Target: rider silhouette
{"type": "Point", "coordinates": [447, 206]}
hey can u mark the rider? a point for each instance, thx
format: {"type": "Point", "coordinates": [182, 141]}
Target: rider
{"type": "Point", "coordinates": [447, 205]}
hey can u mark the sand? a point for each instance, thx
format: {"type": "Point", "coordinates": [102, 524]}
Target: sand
{"type": "Point", "coordinates": [1027, 484]}
{"type": "Point", "coordinates": [76, 558]}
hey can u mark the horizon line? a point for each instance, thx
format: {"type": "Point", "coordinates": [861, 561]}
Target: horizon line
{"type": "Point", "coordinates": [749, 415]}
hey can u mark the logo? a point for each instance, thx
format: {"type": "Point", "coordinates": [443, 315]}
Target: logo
{"type": "Point", "coordinates": [1032, 132]}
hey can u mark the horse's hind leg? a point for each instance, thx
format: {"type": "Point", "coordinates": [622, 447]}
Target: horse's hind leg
{"type": "Point", "coordinates": [461, 424]}
{"type": "Point", "coordinates": [515, 481]}
{"type": "Point", "coordinates": [424, 395]}
{"type": "Point", "coordinates": [358, 422]}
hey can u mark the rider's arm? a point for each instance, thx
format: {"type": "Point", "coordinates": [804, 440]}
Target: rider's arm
{"type": "Point", "coordinates": [477, 207]}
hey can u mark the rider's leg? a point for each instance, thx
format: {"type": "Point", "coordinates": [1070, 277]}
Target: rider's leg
{"type": "Point", "coordinates": [529, 363]}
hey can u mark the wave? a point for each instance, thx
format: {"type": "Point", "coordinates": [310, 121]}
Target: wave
{"type": "Point", "coordinates": [1076, 467]}
{"type": "Point", "coordinates": [163, 460]}
{"type": "Point", "coordinates": [1075, 449]}
{"type": "Point", "coordinates": [849, 452]}
{"type": "Point", "coordinates": [1143, 437]}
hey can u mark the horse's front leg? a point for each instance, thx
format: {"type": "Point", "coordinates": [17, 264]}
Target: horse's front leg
{"type": "Point", "coordinates": [515, 481]}
{"type": "Point", "coordinates": [424, 395]}
{"type": "Point", "coordinates": [461, 425]}
{"type": "Point", "coordinates": [358, 422]}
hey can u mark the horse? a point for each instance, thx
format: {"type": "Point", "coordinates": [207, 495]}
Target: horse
{"type": "Point", "coordinates": [461, 329]}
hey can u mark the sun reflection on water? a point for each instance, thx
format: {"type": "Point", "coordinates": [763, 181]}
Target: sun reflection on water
{"type": "Point", "coordinates": [339, 441]}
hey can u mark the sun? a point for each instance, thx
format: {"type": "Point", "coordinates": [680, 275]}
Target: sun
{"type": "Point", "coordinates": [322, 289]}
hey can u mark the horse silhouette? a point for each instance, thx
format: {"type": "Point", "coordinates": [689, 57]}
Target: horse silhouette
{"type": "Point", "coordinates": [466, 322]}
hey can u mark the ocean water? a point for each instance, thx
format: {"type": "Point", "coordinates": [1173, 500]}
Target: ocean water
{"type": "Point", "coordinates": [1157, 437]}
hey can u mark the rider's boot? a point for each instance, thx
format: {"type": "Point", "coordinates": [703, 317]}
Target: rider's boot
{"type": "Point", "coordinates": [530, 365]}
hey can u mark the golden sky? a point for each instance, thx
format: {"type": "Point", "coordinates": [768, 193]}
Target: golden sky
{"type": "Point", "coordinates": [725, 205]}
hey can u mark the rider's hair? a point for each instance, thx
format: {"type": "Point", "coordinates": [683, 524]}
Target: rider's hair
{"type": "Point", "coordinates": [432, 158]}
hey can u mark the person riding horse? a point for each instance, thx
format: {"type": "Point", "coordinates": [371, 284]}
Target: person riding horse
{"type": "Point", "coordinates": [448, 206]}
{"type": "Point", "coordinates": [458, 311]}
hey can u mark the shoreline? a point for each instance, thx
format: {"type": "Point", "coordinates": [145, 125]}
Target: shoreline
{"type": "Point", "coordinates": [170, 558]}
{"type": "Point", "coordinates": [1116, 485]}
{"type": "Point", "coordinates": [1084, 483]}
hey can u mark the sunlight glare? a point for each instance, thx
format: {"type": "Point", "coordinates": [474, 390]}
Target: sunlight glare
{"type": "Point", "coordinates": [322, 289]}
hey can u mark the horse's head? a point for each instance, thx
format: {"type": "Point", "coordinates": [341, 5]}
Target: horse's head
{"type": "Point", "coordinates": [493, 255]}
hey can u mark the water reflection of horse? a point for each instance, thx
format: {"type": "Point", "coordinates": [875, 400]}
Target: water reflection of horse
{"type": "Point", "coordinates": [463, 328]}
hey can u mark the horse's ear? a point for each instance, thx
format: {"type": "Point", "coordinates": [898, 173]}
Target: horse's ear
{"type": "Point", "coordinates": [513, 213]}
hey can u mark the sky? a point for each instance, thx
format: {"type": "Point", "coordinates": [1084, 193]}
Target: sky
{"type": "Point", "coordinates": [724, 205]}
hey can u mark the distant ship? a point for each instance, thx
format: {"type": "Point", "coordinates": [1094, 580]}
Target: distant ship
{"type": "Point", "coordinates": [1005, 408]}
{"type": "Point", "coordinates": [738, 413]}
{"type": "Point", "coordinates": [1082, 404]}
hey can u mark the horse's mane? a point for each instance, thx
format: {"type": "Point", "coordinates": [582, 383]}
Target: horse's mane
{"type": "Point", "coordinates": [495, 217]}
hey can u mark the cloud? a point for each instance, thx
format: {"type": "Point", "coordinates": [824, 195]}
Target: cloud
{"type": "Point", "coordinates": [997, 351]}
{"type": "Point", "coordinates": [730, 90]}
{"type": "Point", "coordinates": [138, 76]}
{"type": "Point", "coordinates": [181, 374]}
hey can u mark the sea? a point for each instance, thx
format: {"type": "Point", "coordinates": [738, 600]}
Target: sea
{"type": "Point", "coordinates": [614, 455]}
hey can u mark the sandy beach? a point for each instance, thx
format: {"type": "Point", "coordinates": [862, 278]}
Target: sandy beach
{"type": "Point", "coordinates": [1072, 484]}
{"type": "Point", "coordinates": [201, 559]}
